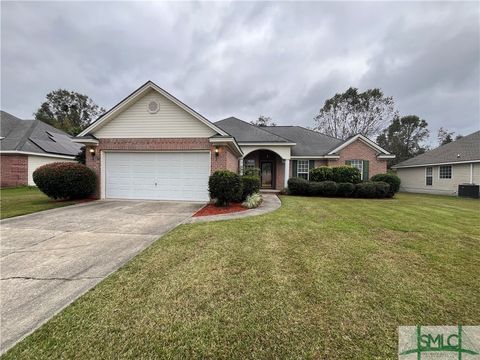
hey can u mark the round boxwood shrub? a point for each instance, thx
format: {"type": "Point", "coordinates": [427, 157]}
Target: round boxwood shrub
{"type": "Point", "coordinates": [298, 186]}
{"type": "Point", "coordinates": [345, 189]}
{"type": "Point", "coordinates": [224, 186]}
{"type": "Point", "coordinates": [65, 180]}
{"type": "Point", "coordinates": [250, 185]}
{"type": "Point", "coordinates": [328, 188]}
{"type": "Point", "coordinates": [322, 173]}
{"type": "Point", "coordinates": [315, 188]}
{"type": "Point", "coordinates": [346, 174]}
{"type": "Point", "coordinates": [365, 189]}
{"type": "Point", "coordinates": [389, 178]}
{"type": "Point", "coordinates": [382, 189]}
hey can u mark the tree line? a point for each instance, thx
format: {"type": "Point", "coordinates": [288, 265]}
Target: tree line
{"type": "Point", "coordinates": [369, 113]}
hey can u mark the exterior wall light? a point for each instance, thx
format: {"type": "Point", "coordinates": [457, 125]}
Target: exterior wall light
{"type": "Point", "coordinates": [92, 151]}
{"type": "Point", "coordinates": [217, 151]}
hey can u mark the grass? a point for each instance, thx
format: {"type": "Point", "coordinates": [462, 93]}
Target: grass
{"type": "Point", "coordinates": [319, 278]}
{"type": "Point", "coordinates": [25, 200]}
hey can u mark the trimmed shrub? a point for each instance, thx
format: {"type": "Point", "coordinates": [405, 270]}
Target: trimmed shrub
{"type": "Point", "coordinates": [346, 174]}
{"type": "Point", "coordinates": [382, 189]}
{"type": "Point", "coordinates": [322, 173]}
{"type": "Point", "coordinates": [65, 180]}
{"type": "Point", "coordinates": [315, 188]}
{"type": "Point", "coordinates": [345, 189]}
{"type": "Point", "coordinates": [328, 188]}
{"type": "Point", "coordinates": [224, 186]}
{"type": "Point", "coordinates": [298, 186]}
{"type": "Point", "coordinates": [250, 185]}
{"type": "Point", "coordinates": [389, 178]}
{"type": "Point", "coordinates": [253, 201]}
{"type": "Point", "coordinates": [366, 190]}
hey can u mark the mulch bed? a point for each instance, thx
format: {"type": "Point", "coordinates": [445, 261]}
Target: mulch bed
{"type": "Point", "coordinates": [211, 209]}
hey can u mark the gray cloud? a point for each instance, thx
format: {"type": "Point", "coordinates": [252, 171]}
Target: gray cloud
{"type": "Point", "coordinates": [245, 59]}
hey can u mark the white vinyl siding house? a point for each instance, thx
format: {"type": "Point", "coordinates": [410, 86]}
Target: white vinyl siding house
{"type": "Point", "coordinates": [460, 174]}
{"type": "Point", "coordinates": [170, 121]}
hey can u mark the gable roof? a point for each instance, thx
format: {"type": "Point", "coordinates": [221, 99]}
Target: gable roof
{"type": "Point", "coordinates": [244, 132]}
{"type": "Point", "coordinates": [34, 136]}
{"type": "Point", "coordinates": [362, 138]}
{"type": "Point", "coordinates": [134, 96]}
{"type": "Point", "coordinates": [308, 142]}
{"type": "Point", "coordinates": [466, 149]}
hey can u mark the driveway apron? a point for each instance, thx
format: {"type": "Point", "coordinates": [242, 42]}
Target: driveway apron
{"type": "Point", "coordinates": [50, 258]}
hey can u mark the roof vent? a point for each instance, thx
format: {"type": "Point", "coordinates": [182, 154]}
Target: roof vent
{"type": "Point", "coordinates": [153, 107]}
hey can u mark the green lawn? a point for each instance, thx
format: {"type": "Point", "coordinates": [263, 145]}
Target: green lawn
{"type": "Point", "coordinates": [319, 278]}
{"type": "Point", "coordinates": [25, 200]}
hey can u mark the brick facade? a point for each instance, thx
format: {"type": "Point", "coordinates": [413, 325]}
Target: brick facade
{"type": "Point", "coordinates": [14, 170]}
{"type": "Point", "coordinates": [225, 159]}
{"type": "Point", "coordinates": [358, 150]}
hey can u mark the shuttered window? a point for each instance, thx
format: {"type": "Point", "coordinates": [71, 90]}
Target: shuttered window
{"type": "Point", "coordinates": [362, 166]}
{"type": "Point", "coordinates": [302, 169]}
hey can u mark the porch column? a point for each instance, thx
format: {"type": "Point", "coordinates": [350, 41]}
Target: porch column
{"type": "Point", "coordinates": [287, 172]}
{"type": "Point", "coordinates": [240, 166]}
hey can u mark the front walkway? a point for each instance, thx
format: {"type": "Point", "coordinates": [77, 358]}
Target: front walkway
{"type": "Point", "coordinates": [50, 258]}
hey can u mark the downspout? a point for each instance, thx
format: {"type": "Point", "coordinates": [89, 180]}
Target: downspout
{"type": "Point", "coordinates": [471, 173]}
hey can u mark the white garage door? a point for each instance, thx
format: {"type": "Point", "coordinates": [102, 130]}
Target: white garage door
{"type": "Point", "coordinates": [157, 176]}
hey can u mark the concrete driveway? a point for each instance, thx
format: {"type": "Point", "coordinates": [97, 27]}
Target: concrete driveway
{"type": "Point", "coordinates": [50, 258]}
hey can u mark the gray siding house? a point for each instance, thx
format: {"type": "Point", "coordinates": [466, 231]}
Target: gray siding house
{"type": "Point", "coordinates": [441, 170]}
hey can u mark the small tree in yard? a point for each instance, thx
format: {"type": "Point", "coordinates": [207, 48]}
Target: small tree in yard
{"type": "Point", "coordinates": [225, 186]}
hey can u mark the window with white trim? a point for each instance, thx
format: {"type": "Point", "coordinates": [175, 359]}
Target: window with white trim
{"type": "Point", "coordinates": [428, 176]}
{"type": "Point", "coordinates": [359, 165]}
{"type": "Point", "coordinates": [445, 172]}
{"type": "Point", "coordinates": [302, 169]}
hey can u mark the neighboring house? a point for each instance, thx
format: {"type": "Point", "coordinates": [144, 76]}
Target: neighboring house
{"type": "Point", "coordinates": [27, 144]}
{"type": "Point", "coordinates": [441, 170]}
{"type": "Point", "coordinates": [153, 146]}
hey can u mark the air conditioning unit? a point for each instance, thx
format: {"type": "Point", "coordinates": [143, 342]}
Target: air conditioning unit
{"type": "Point", "coordinates": [469, 190]}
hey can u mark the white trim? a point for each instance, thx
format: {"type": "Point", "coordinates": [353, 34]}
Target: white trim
{"type": "Point", "coordinates": [315, 157]}
{"type": "Point", "coordinates": [16, 152]}
{"type": "Point", "coordinates": [362, 138]}
{"type": "Point", "coordinates": [229, 140]}
{"type": "Point", "coordinates": [102, 175]}
{"type": "Point", "coordinates": [266, 143]}
{"type": "Point", "coordinates": [85, 141]}
{"type": "Point", "coordinates": [451, 172]}
{"type": "Point", "coordinates": [138, 93]}
{"type": "Point", "coordinates": [287, 173]}
{"type": "Point", "coordinates": [386, 156]}
{"type": "Point", "coordinates": [308, 168]}
{"type": "Point", "coordinates": [435, 164]}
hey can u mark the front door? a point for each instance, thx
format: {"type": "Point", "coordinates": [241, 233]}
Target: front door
{"type": "Point", "coordinates": [266, 174]}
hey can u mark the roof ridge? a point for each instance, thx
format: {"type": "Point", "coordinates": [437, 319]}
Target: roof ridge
{"type": "Point", "coordinates": [27, 134]}
{"type": "Point", "coordinates": [262, 128]}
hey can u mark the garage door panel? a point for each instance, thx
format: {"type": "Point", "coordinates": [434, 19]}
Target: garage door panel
{"type": "Point", "coordinates": [157, 176]}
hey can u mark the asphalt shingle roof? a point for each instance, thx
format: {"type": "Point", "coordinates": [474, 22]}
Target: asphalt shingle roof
{"type": "Point", "coordinates": [34, 136]}
{"type": "Point", "coordinates": [464, 149]}
{"type": "Point", "coordinates": [245, 132]}
{"type": "Point", "coordinates": [308, 142]}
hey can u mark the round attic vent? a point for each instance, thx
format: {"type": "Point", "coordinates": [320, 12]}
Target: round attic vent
{"type": "Point", "coordinates": [153, 107]}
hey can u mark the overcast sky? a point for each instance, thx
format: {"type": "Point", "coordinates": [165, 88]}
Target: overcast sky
{"type": "Point", "coordinates": [245, 59]}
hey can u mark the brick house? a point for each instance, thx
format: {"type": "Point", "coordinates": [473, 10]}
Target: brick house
{"type": "Point", "coordinates": [153, 146]}
{"type": "Point", "coordinates": [27, 144]}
